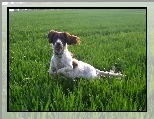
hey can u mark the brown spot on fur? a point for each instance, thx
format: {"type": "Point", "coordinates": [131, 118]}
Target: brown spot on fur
{"type": "Point", "coordinates": [75, 63]}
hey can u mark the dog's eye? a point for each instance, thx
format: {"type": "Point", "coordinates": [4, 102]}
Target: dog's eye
{"type": "Point", "coordinates": [62, 38]}
{"type": "Point", "coordinates": [55, 38]}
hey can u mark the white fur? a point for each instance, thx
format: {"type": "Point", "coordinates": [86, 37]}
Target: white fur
{"type": "Point", "coordinates": [62, 65]}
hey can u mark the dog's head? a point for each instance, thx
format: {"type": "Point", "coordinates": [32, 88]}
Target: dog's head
{"type": "Point", "coordinates": [60, 39]}
{"type": "Point", "coordinates": [64, 37]}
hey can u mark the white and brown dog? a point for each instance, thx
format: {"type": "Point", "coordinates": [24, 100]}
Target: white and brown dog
{"type": "Point", "coordinates": [62, 63]}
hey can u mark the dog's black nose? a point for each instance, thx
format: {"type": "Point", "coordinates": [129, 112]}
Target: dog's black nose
{"type": "Point", "coordinates": [58, 44]}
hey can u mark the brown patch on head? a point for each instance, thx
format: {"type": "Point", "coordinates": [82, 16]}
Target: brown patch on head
{"type": "Point", "coordinates": [71, 39]}
{"type": "Point", "coordinates": [50, 35]}
{"type": "Point", "coordinates": [75, 63]}
{"type": "Point", "coordinates": [65, 37]}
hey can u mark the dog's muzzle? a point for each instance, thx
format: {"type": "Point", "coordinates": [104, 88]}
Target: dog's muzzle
{"type": "Point", "coordinates": [58, 47]}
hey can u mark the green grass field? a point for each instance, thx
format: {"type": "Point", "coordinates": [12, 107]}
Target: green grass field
{"type": "Point", "coordinates": [108, 38]}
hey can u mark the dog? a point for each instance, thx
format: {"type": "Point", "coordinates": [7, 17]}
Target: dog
{"type": "Point", "coordinates": [63, 64]}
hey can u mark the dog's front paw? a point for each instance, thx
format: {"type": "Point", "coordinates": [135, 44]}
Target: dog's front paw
{"type": "Point", "coordinates": [51, 72]}
{"type": "Point", "coordinates": [59, 72]}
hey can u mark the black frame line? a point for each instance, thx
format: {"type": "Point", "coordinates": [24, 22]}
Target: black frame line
{"type": "Point", "coordinates": [66, 8]}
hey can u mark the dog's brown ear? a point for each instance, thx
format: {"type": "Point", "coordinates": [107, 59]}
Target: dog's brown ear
{"type": "Point", "coordinates": [71, 39]}
{"type": "Point", "coordinates": [50, 36]}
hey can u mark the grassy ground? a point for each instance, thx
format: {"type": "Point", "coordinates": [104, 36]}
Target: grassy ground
{"type": "Point", "coordinates": [109, 37]}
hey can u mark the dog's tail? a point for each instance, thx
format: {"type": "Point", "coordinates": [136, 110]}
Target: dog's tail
{"type": "Point", "coordinates": [105, 73]}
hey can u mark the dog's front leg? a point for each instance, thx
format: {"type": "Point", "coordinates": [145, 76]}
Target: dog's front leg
{"type": "Point", "coordinates": [53, 71]}
{"type": "Point", "coordinates": [65, 71]}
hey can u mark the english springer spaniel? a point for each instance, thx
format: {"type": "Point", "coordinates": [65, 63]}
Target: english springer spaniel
{"type": "Point", "coordinates": [62, 63]}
